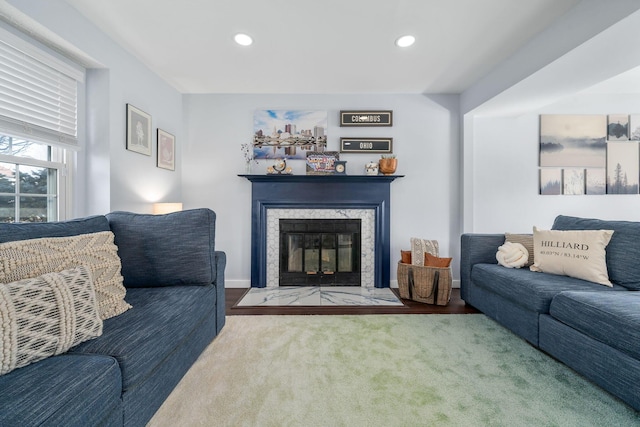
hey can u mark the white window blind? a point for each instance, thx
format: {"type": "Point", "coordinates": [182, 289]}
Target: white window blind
{"type": "Point", "coordinates": [38, 94]}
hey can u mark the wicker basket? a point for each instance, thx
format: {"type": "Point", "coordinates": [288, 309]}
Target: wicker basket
{"type": "Point", "coordinates": [430, 285]}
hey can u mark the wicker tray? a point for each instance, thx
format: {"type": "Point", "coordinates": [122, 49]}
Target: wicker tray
{"type": "Point", "coordinates": [430, 285]}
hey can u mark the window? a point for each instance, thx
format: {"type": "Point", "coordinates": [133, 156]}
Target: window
{"type": "Point", "coordinates": [39, 93]}
{"type": "Point", "coordinates": [32, 181]}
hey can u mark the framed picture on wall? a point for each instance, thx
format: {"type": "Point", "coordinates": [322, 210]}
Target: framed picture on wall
{"type": "Point", "coordinates": [138, 130]}
{"type": "Point", "coordinates": [166, 150]}
{"type": "Point", "coordinates": [288, 134]}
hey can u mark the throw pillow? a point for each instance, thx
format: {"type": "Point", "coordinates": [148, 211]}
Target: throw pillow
{"type": "Point", "coordinates": [577, 253]}
{"type": "Point", "coordinates": [405, 257]}
{"type": "Point", "coordinates": [433, 261]}
{"type": "Point", "coordinates": [26, 259]}
{"type": "Point", "coordinates": [525, 240]}
{"type": "Point", "coordinates": [512, 255]}
{"type": "Point", "coordinates": [421, 246]}
{"type": "Point", "coordinates": [45, 316]}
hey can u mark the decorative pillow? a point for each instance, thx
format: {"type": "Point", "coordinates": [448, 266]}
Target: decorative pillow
{"type": "Point", "coordinates": [512, 255]}
{"type": "Point", "coordinates": [421, 246]}
{"type": "Point", "coordinates": [525, 240]}
{"type": "Point", "coordinates": [433, 261]}
{"type": "Point", "coordinates": [45, 316]}
{"type": "Point", "coordinates": [26, 259]}
{"type": "Point", "coordinates": [577, 253]}
{"type": "Point", "coordinates": [405, 257]}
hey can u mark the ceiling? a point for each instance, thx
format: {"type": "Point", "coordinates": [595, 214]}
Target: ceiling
{"type": "Point", "coordinates": [327, 46]}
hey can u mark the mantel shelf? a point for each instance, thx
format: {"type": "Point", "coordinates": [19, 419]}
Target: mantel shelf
{"type": "Point", "coordinates": [321, 178]}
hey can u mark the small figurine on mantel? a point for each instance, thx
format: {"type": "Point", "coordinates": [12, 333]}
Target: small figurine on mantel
{"type": "Point", "coordinates": [371, 168]}
{"type": "Point", "coordinates": [279, 167]}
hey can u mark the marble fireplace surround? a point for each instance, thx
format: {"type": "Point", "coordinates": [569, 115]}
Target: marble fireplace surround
{"type": "Point", "coordinates": [357, 196]}
{"type": "Point", "coordinates": [367, 238]}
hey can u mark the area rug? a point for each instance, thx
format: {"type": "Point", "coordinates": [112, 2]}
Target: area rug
{"type": "Point", "coordinates": [382, 370]}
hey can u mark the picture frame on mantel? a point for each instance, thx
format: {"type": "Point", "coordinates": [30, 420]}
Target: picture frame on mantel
{"type": "Point", "coordinates": [138, 130]}
{"type": "Point", "coordinates": [376, 118]}
{"type": "Point", "coordinates": [323, 163]}
{"type": "Point", "coordinates": [166, 156]}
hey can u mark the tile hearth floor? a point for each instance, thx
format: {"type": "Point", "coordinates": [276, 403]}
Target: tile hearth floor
{"type": "Point", "coordinates": [319, 296]}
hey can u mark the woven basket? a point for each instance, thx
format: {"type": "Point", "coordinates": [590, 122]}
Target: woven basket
{"type": "Point", "coordinates": [430, 285]}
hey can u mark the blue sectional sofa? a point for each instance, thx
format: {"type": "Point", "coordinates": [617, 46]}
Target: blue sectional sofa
{"type": "Point", "coordinates": [174, 281]}
{"type": "Point", "coordinates": [593, 329]}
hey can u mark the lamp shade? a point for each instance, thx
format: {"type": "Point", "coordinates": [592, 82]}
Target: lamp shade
{"type": "Point", "coordinates": [165, 208]}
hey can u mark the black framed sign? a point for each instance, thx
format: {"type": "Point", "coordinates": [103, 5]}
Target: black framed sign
{"type": "Point", "coordinates": [366, 145]}
{"type": "Point", "coordinates": [366, 118]}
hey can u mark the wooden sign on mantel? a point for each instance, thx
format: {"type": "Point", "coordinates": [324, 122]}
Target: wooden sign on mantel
{"type": "Point", "coordinates": [366, 118]}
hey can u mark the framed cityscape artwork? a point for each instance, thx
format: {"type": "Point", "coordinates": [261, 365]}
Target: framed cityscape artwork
{"type": "Point", "coordinates": [288, 134]}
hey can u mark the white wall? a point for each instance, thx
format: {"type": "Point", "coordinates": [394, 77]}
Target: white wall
{"type": "Point", "coordinates": [505, 170]}
{"type": "Point", "coordinates": [116, 179]}
{"type": "Point", "coordinates": [425, 139]}
{"type": "Point", "coordinates": [501, 130]}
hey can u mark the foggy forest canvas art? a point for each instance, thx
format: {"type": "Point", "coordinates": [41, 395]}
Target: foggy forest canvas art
{"type": "Point", "coordinates": [589, 154]}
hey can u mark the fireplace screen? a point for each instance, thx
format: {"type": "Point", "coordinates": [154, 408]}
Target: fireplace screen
{"type": "Point", "coordinates": [320, 252]}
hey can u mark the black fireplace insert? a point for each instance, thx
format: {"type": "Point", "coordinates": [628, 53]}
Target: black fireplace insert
{"type": "Point", "coordinates": [320, 252]}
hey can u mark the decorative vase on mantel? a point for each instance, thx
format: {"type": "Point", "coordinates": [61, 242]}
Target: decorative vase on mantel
{"type": "Point", "coordinates": [388, 165]}
{"type": "Point", "coordinates": [247, 167]}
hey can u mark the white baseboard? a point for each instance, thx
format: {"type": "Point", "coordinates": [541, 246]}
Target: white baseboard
{"type": "Point", "coordinates": [247, 283]}
{"type": "Point", "coordinates": [237, 283]}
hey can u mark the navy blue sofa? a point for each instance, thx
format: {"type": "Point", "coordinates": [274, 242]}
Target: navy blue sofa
{"type": "Point", "coordinates": [591, 328]}
{"type": "Point", "coordinates": [175, 283]}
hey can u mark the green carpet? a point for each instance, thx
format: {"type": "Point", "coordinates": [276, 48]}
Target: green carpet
{"type": "Point", "coordinates": [382, 370]}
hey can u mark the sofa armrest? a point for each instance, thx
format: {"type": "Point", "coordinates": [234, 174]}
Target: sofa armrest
{"type": "Point", "coordinates": [220, 262]}
{"type": "Point", "coordinates": [476, 249]}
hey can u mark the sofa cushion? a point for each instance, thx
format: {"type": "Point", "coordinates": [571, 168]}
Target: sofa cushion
{"type": "Point", "coordinates": [623, 251]}
{"type": "Point", "coordinates": [31, 258]}
{"type": "Point", "coordinates": [46, 316]}
{"type": "Point", "coordinates": [10, 232]}
{"type": "Point", "coordinates": [161, 326]}
{"type": "Point", "coordinates": [529, 289]}
{"type": "Point", "coordinates": [166, 250]}
{"type": "Point", "coordinates": [612, 318]}
{"type": "Point", "coordinates": [69, 390]}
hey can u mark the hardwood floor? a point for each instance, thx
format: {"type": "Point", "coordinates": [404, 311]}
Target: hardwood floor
{"type": "Point", "coordinates": [456, 306]}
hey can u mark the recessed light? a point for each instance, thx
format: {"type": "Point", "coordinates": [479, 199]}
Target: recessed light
{"type": "Point", "coordinates": [243, 39]}
{"type": "Point", "coordinates": [405, 41]}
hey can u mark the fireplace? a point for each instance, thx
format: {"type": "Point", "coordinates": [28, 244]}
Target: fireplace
{"type": "Point", "coordinates": [320, 197]}
{"type": "Point", "coordinates": [319, 252]}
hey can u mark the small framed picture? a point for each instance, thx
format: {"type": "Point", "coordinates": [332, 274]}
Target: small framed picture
{"type": "Point", "coordinates": [166, 150]}
{"type": "Point", "coordinates": [138, 130]}
{"type": "Point", "coordinates": [323, 163]}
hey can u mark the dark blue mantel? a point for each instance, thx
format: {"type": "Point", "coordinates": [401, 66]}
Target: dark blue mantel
{"type": "Point", "coordinates": [320, 192]}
